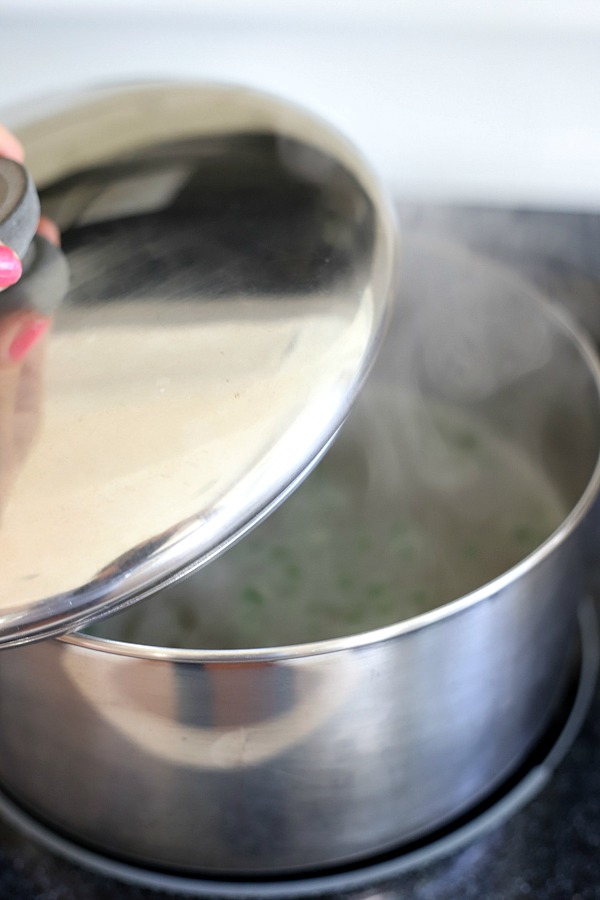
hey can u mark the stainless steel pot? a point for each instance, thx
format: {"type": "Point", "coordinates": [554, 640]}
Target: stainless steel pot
{"type": "Point", "coordinates": [298, 757]}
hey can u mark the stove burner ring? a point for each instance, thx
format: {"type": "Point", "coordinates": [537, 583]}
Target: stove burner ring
{"type": "Point", "coordinates": [533, 775]}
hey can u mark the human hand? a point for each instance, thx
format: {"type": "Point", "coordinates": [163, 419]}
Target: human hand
{"type": "Point", "coordinates": [23, 335]}
{"type": "Point", "coordinates": [10, 264]}
{"type": "Point", "coordinates": [19, 329]}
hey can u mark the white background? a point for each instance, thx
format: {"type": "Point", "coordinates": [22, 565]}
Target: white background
{"type": "Point", "coordinates": [466, 100]}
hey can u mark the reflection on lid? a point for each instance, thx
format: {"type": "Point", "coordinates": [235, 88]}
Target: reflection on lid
{"type": "Point", "coordinates": [227, 290]}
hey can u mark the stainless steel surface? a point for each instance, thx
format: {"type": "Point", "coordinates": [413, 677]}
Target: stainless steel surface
{"type": "Point", "coordinates": [537, 771]}
{"type": "Point", "coordinates": [231, 262]}
{"type": "Point", "coordinates": [294, 758]}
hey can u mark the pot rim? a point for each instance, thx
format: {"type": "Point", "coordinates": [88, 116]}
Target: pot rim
{"type": "Point", "coordinates": [589, 357]}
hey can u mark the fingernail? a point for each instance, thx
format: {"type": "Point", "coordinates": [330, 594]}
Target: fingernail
{"type": "Point", "coordinates": [10, 267]}
{"type": "Point", "coordinates": [29, 335]}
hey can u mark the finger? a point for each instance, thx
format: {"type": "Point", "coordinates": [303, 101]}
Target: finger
{"type": "Point", "coordinates": [20, 331]}
{"type": "Point", "coordinates": [47, 229]}
{"type": "Point", "coordinates": [10, 146]}
{"type": "Point", "coordinates": [28, 399]}
{"type": "Point", "coordinates": [10, 267]}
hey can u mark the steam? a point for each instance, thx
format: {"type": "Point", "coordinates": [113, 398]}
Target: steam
{"type": "Point", "coordinates": [467, 447]}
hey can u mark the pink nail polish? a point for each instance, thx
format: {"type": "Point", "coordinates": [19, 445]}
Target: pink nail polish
{"type": "Point", "coordinates": [10, 267]}
{"type": "Point", "coordinates": [26, 338]}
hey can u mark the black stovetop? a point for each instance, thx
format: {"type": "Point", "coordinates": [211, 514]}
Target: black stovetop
{"type": "Point", "coordinates": [551, 847]}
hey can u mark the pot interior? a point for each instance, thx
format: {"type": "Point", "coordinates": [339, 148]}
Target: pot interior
{"type": "Point", "coordinates": [475, 438]}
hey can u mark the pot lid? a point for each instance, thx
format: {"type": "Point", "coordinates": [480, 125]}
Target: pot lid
{"type": "Point", "coordinates": [230, 264]}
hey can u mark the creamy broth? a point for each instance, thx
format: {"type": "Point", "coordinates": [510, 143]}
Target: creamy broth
{"type": "Point", "coordinates": [416, 504]}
